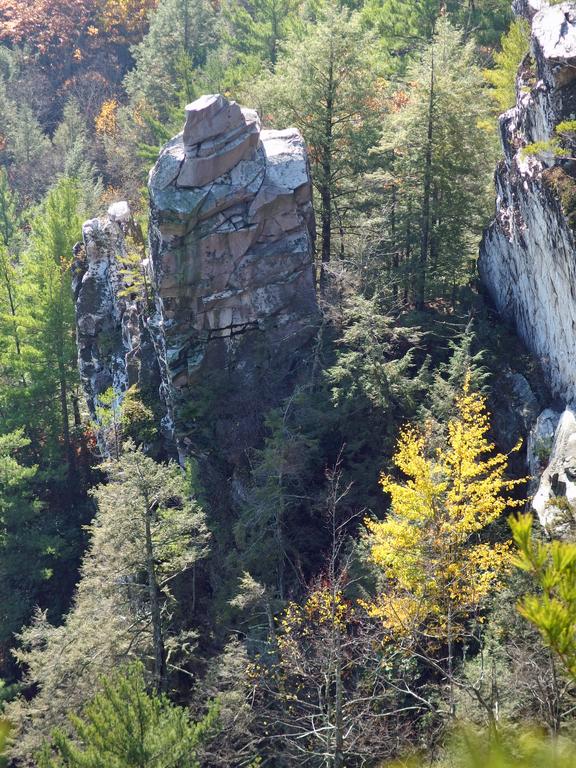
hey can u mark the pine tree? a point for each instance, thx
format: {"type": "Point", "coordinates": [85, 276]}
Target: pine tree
{"type": "Point", "coordinates": [439, 150]}
{"type": "Point", "coordinates": [24, 539]}
{"type": "Point", "coordinates": [515, 45]}
{"type": "Point", "coordinates": [71, 144]}
{"type": "Point", "coordinates": [146, 534]}
{"type": "Point", "coordinates": [405, 24]}
{"type": "Point", "coordinates": [259, 29]}
{"type": "Point", "coordinates": [29, 151]}
{"type": "Point", "coordinates": [126, 726]}
{"type": "Point", "coordinates": [46, 313]}
{"type": "Point", "coordinates": [170, 54]}
{"type": "Point", "coordinates": [449, 378]}
{"type": "Point", "coordinates": [325, 84]}
{"type": "Point", "coordinates": [280, 469]}
{"type": "Point", "coordinates": [551, 608]}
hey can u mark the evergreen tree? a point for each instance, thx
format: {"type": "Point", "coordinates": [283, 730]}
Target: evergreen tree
{"type": "Point", "coordinates": [280, 471]}
{"type": "Point", "coordinates": [145, 534]}
{"type": "Point", "coordinates": [374, 383]}
{"type": "Point", "coordinates": [11, 341]}
{"type": "Point", "coordinates": [405, 24]}
{"type": "Point", "coordinates": [125, 726]}
{"type": "Point", "coordinates": [325, 83]}
{"type": "Point", "coordinates": [449, 378]}
{"type": "Point", "coordinates": [181, 34]}
{"type": "Point", "coordinates": [27, 551]}
{"type": "Point", "coordinates": [515, 44]}
{"type": "Point", "coordinates": [258, 30]}
{"type": "Point", "coordinates": [439, 149]}
{"type": "Point", "coordinates": [47, 316]}
{"type": "Point", "coordinates": [28, 150]}
{"type": "Point", "coordinates": [71, 144]}
{"type": "Point", "coordinates": [551, 604]}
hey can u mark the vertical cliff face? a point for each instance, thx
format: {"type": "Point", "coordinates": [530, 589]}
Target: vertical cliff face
{"type": "Point", "coordinates": [528, 254]}
{"type": "Point", "coordinates": [232, 231]}
{"type": "Point", "coordinates": [231, 275]}
{"type": "Point", "coordinates": [114, 345]}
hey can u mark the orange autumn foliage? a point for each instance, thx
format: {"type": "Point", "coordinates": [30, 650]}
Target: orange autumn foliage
{"type": "Point", "coordinates": [46, 25]}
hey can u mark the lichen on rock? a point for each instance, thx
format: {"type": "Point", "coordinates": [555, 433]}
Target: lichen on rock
{"type": "Point", "coordinates": [231, 275]}
{"type": "Point", "coordinates": [232, 230]}
{"type": "Point", "coordinates": [528, 254]}
{"type": "Point", "coordinates": [114, 346]}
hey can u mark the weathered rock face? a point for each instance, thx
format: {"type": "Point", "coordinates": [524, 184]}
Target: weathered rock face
{"type": "Point", "coordinates": [232, 231]}
{"type": "Point", "coordinates": [528, 255]}
{"type": "Point", "coordinates": [555, 500]}
{"type": "Point", "coordinates": [232, 279]}
{"type": "Point", "coordinates": [114, 346]}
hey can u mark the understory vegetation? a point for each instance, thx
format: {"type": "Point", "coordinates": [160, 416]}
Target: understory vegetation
{"type": "Point", "coordinates": [367, 601]}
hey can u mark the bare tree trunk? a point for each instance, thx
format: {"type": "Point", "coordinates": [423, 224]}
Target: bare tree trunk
{"type": "Point", "coordinates": [395, 262]}
{"type": "Point", "coordinates": [338, 708]}
{"type": "Point", "coordinates": [12, 304]}
{"type": "Point", "coordinates": [63, 387]}
{"type": "Point", "coordinates": [425, 232]}
{"type": "Point", "coordinates": [326, 183]}
{"type": "Point", "coordinates": [155, 611]}
{"type": "Point", "coordinates": [451, 663]}
{"type": "Point", "coordinates": [274, 38]}
{"type": "Point", "coordinates": [408, 254]}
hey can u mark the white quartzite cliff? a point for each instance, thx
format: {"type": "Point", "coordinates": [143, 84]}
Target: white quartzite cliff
{"type": "Point", "coordinates": [114, 345]}
{"type": "Point", "coordinates": [528, 254]}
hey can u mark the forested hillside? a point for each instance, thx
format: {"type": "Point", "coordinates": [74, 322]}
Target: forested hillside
{"type": "Point", "coordinates": [267, 447]}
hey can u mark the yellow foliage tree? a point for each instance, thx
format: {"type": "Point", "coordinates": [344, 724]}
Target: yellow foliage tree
{"type": "Point", "coordinates": [106, 121]}
{"type": "Point", "coordinates": [125, 19]}
{"type": "Point", "coordinates": [438, 570]}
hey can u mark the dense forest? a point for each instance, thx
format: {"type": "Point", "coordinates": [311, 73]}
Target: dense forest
{"type": "Point", "coordinates": [359, 582]}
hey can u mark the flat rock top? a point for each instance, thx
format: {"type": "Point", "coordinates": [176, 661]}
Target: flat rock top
{"type": "Point", "coordinates": [554, 31]}
{"type": "Point", "coordinates": [285, 158]}
{"type": "Point", "coordinates": [209, 116]}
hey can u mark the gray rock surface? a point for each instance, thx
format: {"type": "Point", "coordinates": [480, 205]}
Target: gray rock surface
{"type": "Point", "coordinates": [114, 345]}
{"type": "Point", "coordinates": [528, 8]}
{"type": "Point", "coordinates": [528, 255]}
{"type": "Point", "coordinates": [555, 499]}
{"type": "Point", "coordinates": [231, 275]}
{"type": "Point", "coordinates": [232, 266]}
{"type": "Point", "coordinates": [540, 441]}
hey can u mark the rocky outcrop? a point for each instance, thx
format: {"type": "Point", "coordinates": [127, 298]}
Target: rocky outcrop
{"type": "Point", "coordinates": [555, 499]}
{"type": "Point", "coordinates": [114, 346]}
{"type": "Point", "coordinates": [232, 231]}
{"type": "Point", "coordinates": [528, 255]}
{"type": "Point", "coordinates": [231, 279]}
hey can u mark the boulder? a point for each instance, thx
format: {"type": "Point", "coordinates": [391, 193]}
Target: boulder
{"type": "Point", "coordinates": [540, 441]}
{"type": "Point", "coordinates": [120, 212]}
{"type": "Point", "coordinates": [209, 116]}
